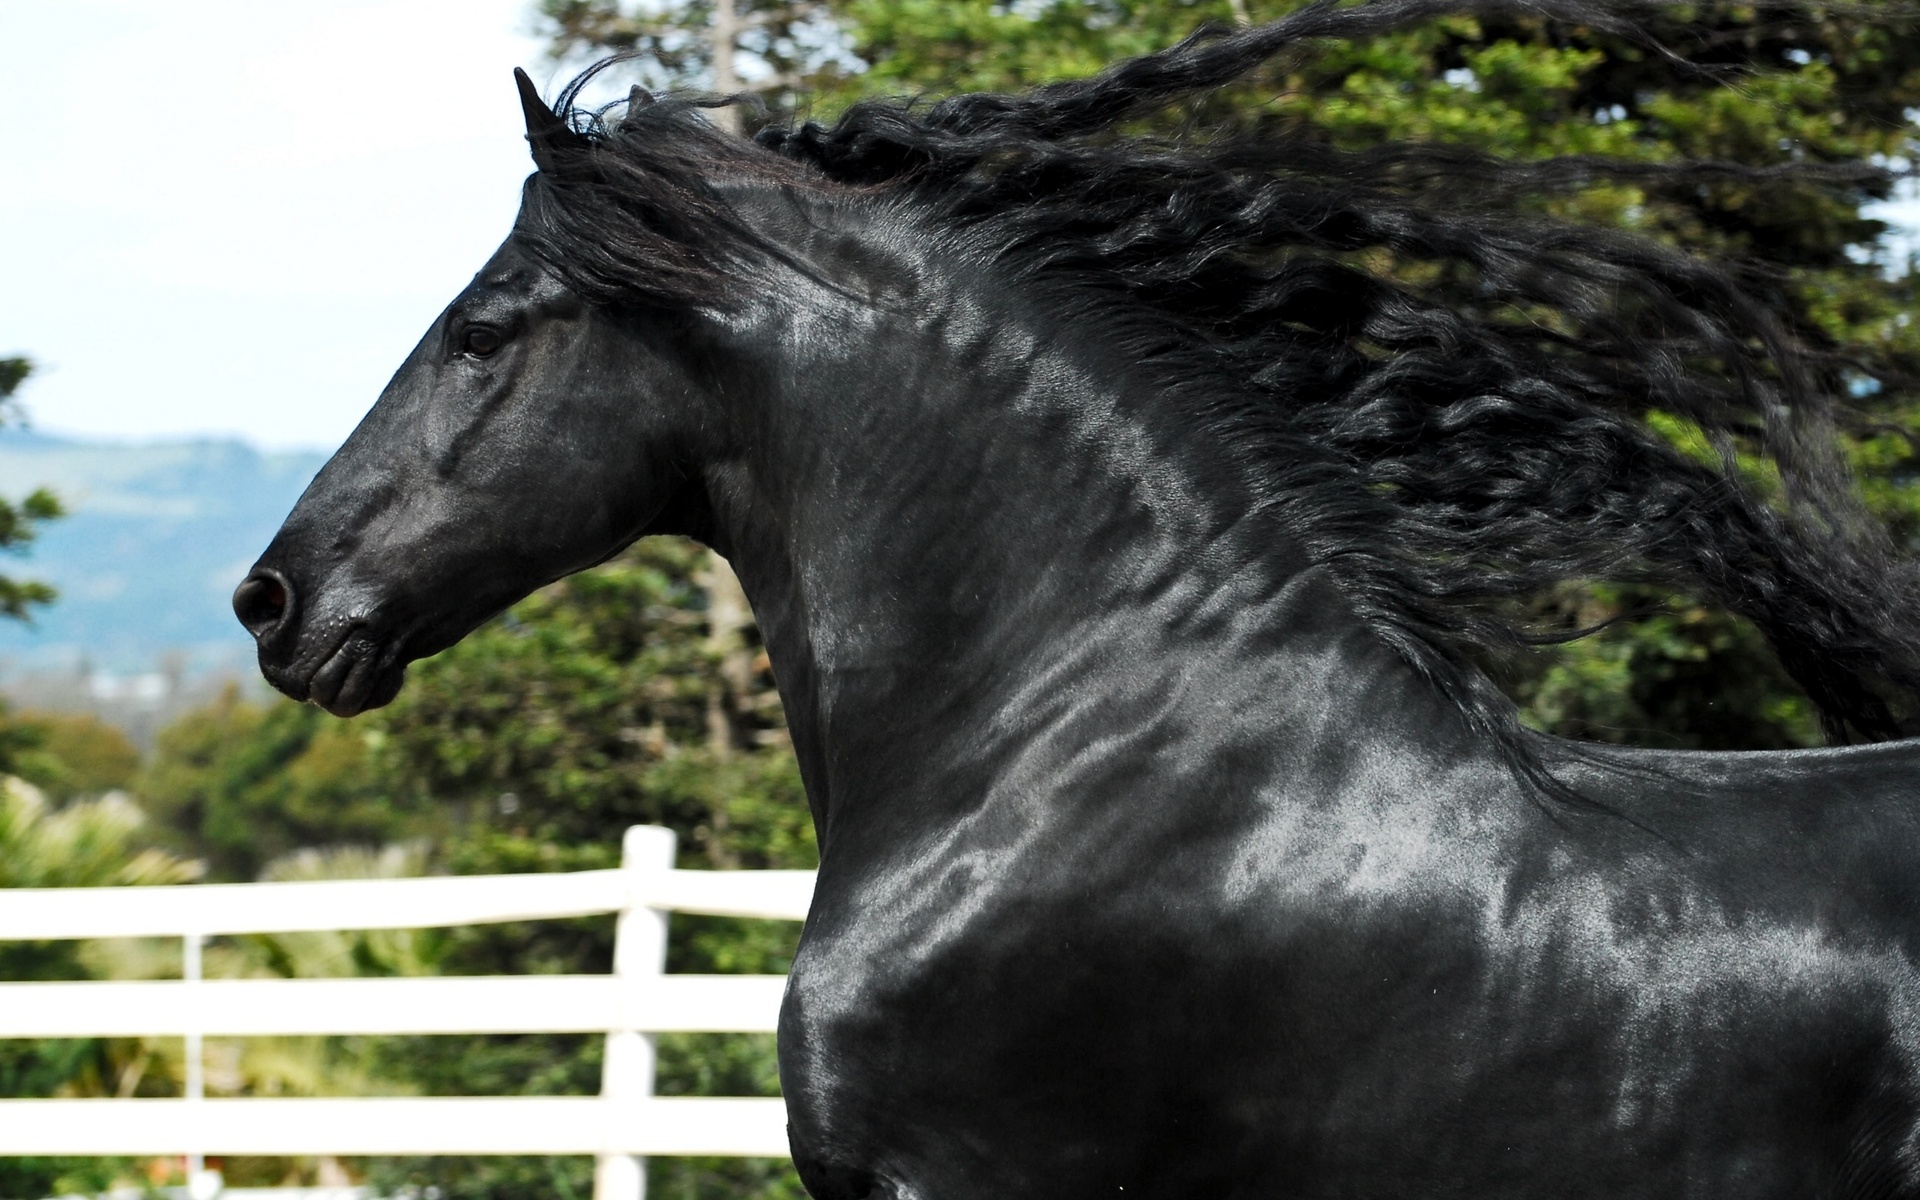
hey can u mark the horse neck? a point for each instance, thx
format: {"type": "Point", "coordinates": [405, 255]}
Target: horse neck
{"type": "Point", "coordinates": [967, 529]}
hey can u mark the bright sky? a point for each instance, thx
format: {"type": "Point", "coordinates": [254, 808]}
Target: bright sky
{"type": "Point", "coordinates": [236, 217]}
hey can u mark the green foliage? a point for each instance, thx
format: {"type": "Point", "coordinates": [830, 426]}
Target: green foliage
{"type": "Point", "coordinates": [597, 704]}
{"type": "Point", "coordinates": [335, 953]}
{"type": "Point", "coordinates": [1679, 676]}
{"type": "Point", "coordinates": [943, 46]}
{"type": "Point", "coordinates": [93, 843]}
{"type": "Point", "coordinates": [18, 517]}
{"type": "Point", "coordinates": [21, 742]}
{"type": "Point", "coordinates": [239, 784]}
{"type": "Point", "coordinates": [631, 694]}
{"type": "Point", "coordinates": [13, 373]}
{"type": "Point", "coordinates": [68, 755]}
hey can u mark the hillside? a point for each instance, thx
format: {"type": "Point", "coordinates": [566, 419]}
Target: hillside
{"type": "Point", "coordinates": [157, 537]}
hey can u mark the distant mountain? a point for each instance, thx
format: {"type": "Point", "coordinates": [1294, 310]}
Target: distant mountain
{"type": "Point", "coordinates": [156, 538]}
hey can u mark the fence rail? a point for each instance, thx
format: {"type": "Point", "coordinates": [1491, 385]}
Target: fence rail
{"type": "Point", "coordinates": [636, 1001]}
{"type": "Point", "coordinates": [718, 1125]}
{"type": "Point", "coordinates": [431, 1004]}
{"type": "Point", "coordinates": [216, 909]}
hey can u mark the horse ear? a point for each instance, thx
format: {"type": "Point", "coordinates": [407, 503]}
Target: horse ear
{"type": "Point", "coordinates": [637, 99]}
{"type": "Point", "coordinates": [546, 133]}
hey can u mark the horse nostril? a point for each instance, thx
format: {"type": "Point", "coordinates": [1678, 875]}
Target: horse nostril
{"type": "Point", "coordinates": [262, 602]}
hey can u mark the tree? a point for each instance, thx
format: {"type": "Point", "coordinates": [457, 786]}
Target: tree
{"type": "Point", "coordinates": [18, 517]}
{"type": "Point", "coordinates": [75, 755]}
{"type": "Point", "coordinates": [238, 784]}
{"type": "Point", "coordinates": [18, 597]}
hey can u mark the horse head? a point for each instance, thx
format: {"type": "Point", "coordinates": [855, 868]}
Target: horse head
{"type": "Point", "coordinates": [532, 432]}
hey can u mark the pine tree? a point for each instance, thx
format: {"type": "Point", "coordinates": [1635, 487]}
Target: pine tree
{"type": "Point", "coordinates": [18, 517]}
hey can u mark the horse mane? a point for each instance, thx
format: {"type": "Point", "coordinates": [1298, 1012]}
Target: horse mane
{"type": "Point", "coordinates": [1447, 448]}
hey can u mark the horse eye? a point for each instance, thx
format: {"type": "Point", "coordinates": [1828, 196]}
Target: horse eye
{"type": "Point", "coordinates": [481, 341]}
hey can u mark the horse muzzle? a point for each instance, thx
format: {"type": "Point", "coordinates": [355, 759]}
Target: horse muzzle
{"type": "Point", "coordinates": [337, 661]}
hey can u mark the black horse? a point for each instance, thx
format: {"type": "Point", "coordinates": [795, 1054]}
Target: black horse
{"type": "Point", "coordinates": [1123, 550]}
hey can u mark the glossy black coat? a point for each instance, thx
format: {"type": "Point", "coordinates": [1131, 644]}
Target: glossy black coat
{"type": "Point", "coordinates": [1147, 868]}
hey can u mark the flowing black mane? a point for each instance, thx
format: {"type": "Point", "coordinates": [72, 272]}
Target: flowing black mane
{"type": "Point", "coordinates": [1446, 447]}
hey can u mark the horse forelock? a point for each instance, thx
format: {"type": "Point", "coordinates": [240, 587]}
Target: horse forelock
{"type": "Point", "coordinates": [632, 210]}
{"type": "Point", "coordinates": [1448, 449]}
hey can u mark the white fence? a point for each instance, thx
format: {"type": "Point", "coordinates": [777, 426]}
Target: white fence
{"type": "Point", "coordinates": [622, 1125]}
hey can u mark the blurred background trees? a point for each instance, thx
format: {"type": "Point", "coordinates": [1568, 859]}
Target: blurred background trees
{"type": "Point", "coordinates": [238, 784]}
{"type": "Point", "coordinates": [632, 694]}
{"type": "Point", "coordinates": [17, 518]}
{"type": "Point", "coordinates": [638, 692]}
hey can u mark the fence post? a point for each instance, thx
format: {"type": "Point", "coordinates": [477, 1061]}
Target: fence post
{"type": "Point", "coordinates": [639, 956]}
{"type": "Point", "coordinates": [202, 1184]}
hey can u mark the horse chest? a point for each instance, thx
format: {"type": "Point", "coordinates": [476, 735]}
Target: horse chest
{"type": "Point", "coordinates": [1062, 1026]}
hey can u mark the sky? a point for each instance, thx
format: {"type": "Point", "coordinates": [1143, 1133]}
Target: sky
{"type": "Point", "coordinates": [235, 218]}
